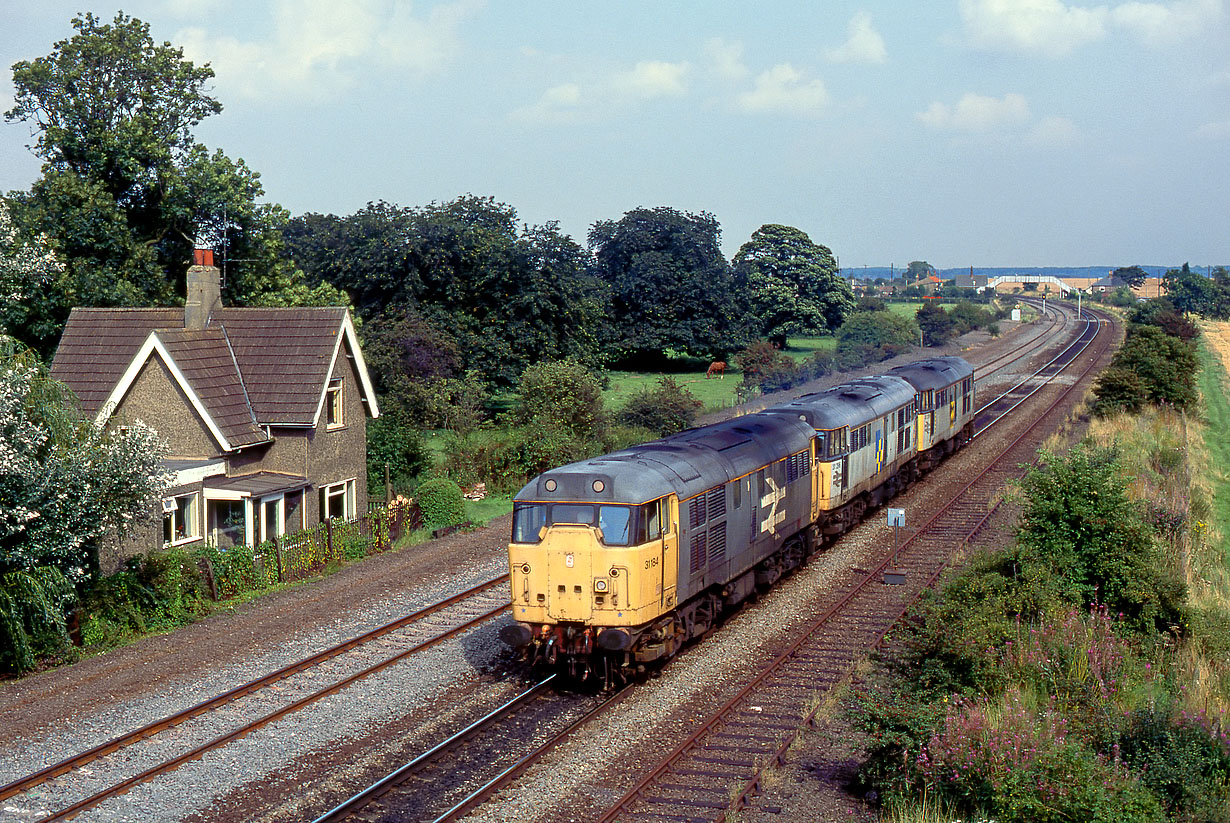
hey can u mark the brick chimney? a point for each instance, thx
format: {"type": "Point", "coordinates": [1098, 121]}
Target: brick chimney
{"type": "Point", "coordinates": [204, 289]}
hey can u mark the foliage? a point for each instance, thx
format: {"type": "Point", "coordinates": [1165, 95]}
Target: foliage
{"type": "Point", "coordinates": [460, 276]}
{"type": "Point", "coordinates": [1134, 276]}
{"type": "Point", "coordinates": [937, 325]}
{"type": "Point", "coordinates": [792, 284]}
{"type": "Point", "coordinates": [156, 592]}
{"type": "Point", "coordinates": [918, 269]}
{"type": "Point", "coordinates": [32, 608]}
{"type": "Point", "coordinates": [417, 369]}
{"type": "Point", "coordinates": [1161, 312]}
{"type": "Point", "coordinates": [1082, 532]}
{"type": "Point", "coordinates": [506, 459]}
{"type": "Point", "coordinates": [562, 395]}
{"type": "Point", "coordinates": [868, 337]}
{"type": "Point", "coordinates": [64, 482]}
{"type": "Point", "coordinates": [393, 443]}
{"type": "Point", "coordinates": [441, 501]}
{"type": "Point", "coordinates": [670, 286]}
{"type": "Point", "coordinates": [1184, 759]}
{"type": "Point", "coordinates": [1193, 293]}
{"type": "Point", "coordinates": [125, 188]}
{"type": "Point", "coordinates": [663, 410]}
{"type": "Point", "coordinates": [25, 263]}
{"type": "Point", "coordinates": [1151, 367]}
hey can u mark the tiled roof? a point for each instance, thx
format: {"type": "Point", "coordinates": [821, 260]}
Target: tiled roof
{"type": "Point", "coordinates": [205, 359]}
{"type": "Point", "coordinates": [283, 357]}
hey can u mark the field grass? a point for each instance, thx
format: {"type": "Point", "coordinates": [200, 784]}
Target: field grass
{"type": "Point", "coordinates": [1213, 383]}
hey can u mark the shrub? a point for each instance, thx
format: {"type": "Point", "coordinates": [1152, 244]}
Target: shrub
{"type": "Point", "coordinates": [1080, 527]}
{"type": "Point", "coordinates": [938, 326]}
{"type": "Point", "coordinates": [562, 395]}
{"type": "Point", "coordinates": [32, 605]}
{"type": "Point", "coordinates": [392, 441]}
{"type": "Point", "coordinates": [1184, 760]}
{"type": "Point", "coordinates": [663, 410]}
{"type": "Point", "coordinates": [867, 337]}
{"type": "Point", "coordinates": [442, 502]}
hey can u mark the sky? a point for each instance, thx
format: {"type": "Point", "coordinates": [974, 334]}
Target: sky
{"type": "Point", "coordinates": [960, 132]}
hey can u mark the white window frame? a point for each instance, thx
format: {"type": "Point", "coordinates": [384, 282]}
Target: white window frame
{"type": "Point", "coordinates": [279, 526]}
{"type": "Point", "coordinates": [347, 491]}
{"type": "Point", "coordinates": [334, 418]}
{"type": "Point", "coordinates": [193, 531]}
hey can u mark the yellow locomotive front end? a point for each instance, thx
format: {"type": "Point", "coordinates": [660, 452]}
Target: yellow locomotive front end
{"type": "Point", "coordinates": [589, 577]}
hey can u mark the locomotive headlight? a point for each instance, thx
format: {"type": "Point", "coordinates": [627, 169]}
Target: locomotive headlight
{"type": "Point", "coordinates": [600, 584]}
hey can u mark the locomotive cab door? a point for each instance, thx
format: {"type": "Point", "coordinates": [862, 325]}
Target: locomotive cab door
{"type": "Point", "coordinates": [670, 551]}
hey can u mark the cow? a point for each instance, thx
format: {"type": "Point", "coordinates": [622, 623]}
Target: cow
{"type": "Point", "coordinates": [716, 368]}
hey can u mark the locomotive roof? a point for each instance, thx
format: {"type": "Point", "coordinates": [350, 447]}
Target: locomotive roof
{"type": "Point", "coordinates": [684, 464]}
{"type": "Point", "coordinates": [850, 404]}
{"type": "Point", "coordinates": [935, 372]}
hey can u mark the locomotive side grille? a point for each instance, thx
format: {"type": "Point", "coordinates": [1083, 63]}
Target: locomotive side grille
{"type": "Point", "coordinates": [796, 467]}
{"type": "Point", "coordinates": [699, 553]}
{"type": "Point", "coordinates": [717, 502]}
{"type": "Point", "coordinates": [717, 544]}
{"type": "Point", "coordinates": [696, 511]}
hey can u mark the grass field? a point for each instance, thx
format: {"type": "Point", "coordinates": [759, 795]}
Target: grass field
{"type": "Point", "coordinates": [1215, 365]}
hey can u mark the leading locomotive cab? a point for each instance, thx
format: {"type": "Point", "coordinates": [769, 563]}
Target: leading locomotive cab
{"type": "Point", "coordinates": [600, 564]}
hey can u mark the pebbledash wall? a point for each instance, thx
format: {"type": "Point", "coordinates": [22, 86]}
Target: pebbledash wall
{"type": "Point", "coordinates": [326, 455]}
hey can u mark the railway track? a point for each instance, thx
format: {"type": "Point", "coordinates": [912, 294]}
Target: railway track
{"type": "Point", "coordinates": [459, 773]}
{"type": "Point", "coordinates": [764, 730]}
{"type": "Point", "coordinates": [212, 723]}
{"type": "Point", "coordinates": [719, 766]}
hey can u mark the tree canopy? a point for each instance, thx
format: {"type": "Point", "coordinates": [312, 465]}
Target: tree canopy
{"type": "Point", "coordinates": [125, 188]}
{"type": "Point", "coordinates": [1134, 276]}
{"type": "Point", "coordinates": [792, 284]}
{"type": "Point", "coordinates": [671, 288]}
{"type": "Point", "coordinates": [508, 296]}
{"type": "Point", "coordinates": [1192, 293]}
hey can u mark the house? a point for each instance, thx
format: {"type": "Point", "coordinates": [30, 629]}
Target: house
{"type": "Point", "coordinates": [1108, 283]}
{"type": "Point", "coordinates": [265, 410]}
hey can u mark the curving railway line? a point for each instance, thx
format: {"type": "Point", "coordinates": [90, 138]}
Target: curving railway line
{"type": "Point", "coordinates": [463, 771]}
{"type": "Point", "coordinates": [725, 756]}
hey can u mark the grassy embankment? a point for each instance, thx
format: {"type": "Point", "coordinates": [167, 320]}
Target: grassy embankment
{"type": "Point", "coordinates": [1071, 712]}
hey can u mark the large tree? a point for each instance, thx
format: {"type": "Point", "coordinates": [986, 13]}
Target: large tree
{"type": "Point", "coordinates": [1193, 293]}
{"type": "Point", "coordinates": [792, 284]}
{"type": "Point", "coordinates": [1134, 276]}
{"type": "Point", "coordinates": [125, 188]}
{"type": "Point", "coordinates": [508, 296]}
{"type": "Point", "coordinates": [671, 288]}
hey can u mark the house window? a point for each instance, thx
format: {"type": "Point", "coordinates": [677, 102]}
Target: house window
{"type": "Point", "coordinates": [180, 519]}
{"type": "Point", "coordinates": [271, 522]}
{"type": "Point", "coordinates": [337, 500]}
{"type": "Point", "coordinates": [229, 522]}
{"type": "Point", "coordinates": [333, 405]}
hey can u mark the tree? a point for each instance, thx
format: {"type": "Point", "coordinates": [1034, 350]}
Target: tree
{"type": "Point", "coordinates": [125, 189]}
{"type": "Point", "coordinates": [938, 326]}
{"type": "Point", "coordinates": [671, 288]}
{"type": "Point", "coordinates": [507, 297]}
{"type": "Point", "coordinates": [868, 337]}
{"type": "Point", "coordinates": [1134, 276]}
{"type": "Point", "coordinates": [24, 263]}
{"type": "Point", "coordinates": [1192, 293]}
{"type": "Point", "coordinates": [564, 396]}
{"type": "Point", "coordinates": [918, 270]}
{"type": "Point", "coordinates": [792, 284]}
{"type": "Point", "coordinates": [1080, 529]}
{"type": "Point", "coordinates": [64, 484]}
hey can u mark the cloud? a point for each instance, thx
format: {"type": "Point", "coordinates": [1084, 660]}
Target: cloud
{"type": "Point", "coordinates": [864, 44]}
{"type": "Point", "coordinates": [976, 113]}
{"type": "Point", "coordinates": [1164, 24]}
{"type": "Point", "coordinates": [1034, 26]}
{"type": "Point", "coordinates": [1054, 28]}
{"type": "Point", "coordinates": [724, 60]}
{"type": "Point", "coordinates": [783, 90]}
{"type": "Point", "coordinates": [317, 48]}
{"type": "Point", "coordinates": [650, 79]}
{"type": "Point", "coordinates": [560, 103]}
